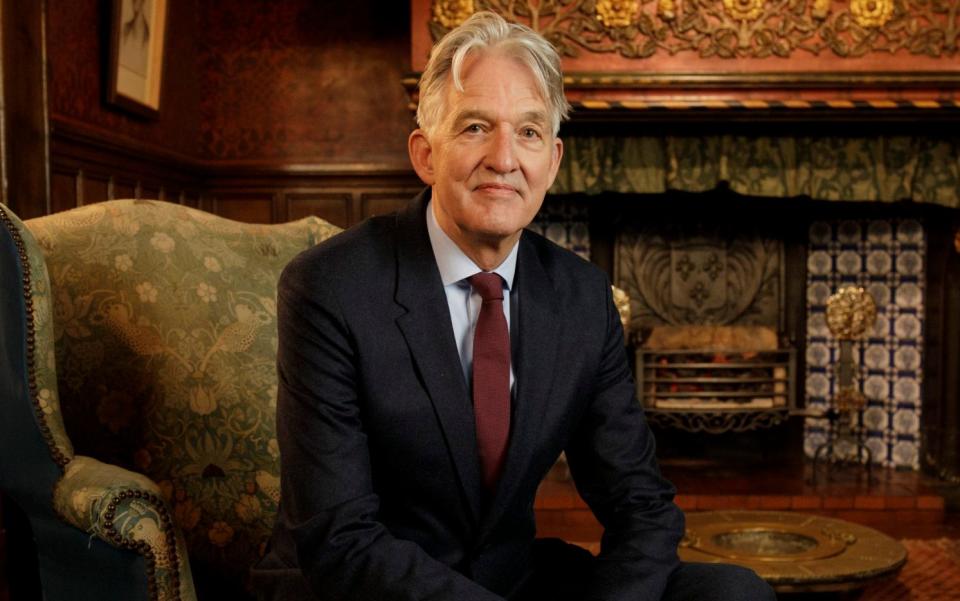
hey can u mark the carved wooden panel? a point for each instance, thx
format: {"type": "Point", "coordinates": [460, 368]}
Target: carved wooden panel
{"type": "Point", "coordinates": [788, 55]}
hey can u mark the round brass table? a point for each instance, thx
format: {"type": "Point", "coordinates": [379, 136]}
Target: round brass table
{"type": "Point", "coordinates": [794, 552]}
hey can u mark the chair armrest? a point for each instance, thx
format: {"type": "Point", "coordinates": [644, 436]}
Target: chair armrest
{"type": "Point", "coordinates": [125, 509]}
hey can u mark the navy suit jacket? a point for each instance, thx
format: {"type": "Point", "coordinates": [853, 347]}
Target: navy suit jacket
{"type": "Point", "coordinates": [381, 489]}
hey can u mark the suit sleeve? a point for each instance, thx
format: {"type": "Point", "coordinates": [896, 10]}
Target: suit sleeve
{"type": "Point", "coordinates": [612, 460]}
{"type": "Point", "coordinates": [328, 505]}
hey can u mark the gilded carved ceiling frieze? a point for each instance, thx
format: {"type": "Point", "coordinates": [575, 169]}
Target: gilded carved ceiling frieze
{"type": "Point", "coordinates": [728, 28]}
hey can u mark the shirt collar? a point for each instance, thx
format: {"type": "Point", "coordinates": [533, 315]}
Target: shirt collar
{"type": "Point", "coordinates": [454, 265]}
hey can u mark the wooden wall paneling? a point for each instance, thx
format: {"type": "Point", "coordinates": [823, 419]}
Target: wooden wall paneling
{"type": "Point", "coordinates": [124, 188]}
{"type": "Point", "coordinates": [63, 190]}
{"type": "Point", "coordinates": [250, 207]}
{"type": "Point", "coordinates": [134, 170]}
{"type": "Point", "coordinates": [341, 194]}
{"type": "Point", "coordinates": [335, 207]}
{"type": "Point", "coordinates": [382, 203]}
{"type": "Point", "coordinates": [24, 129]}
{"type": "Point", "coordinates": [151, 191]}
{"type": "Point", "coordinates": [94, 187]}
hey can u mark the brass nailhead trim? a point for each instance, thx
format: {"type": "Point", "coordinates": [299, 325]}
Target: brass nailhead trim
{"type": "Point", "coordinates": [56, 454]}
{"type": "Point", "coordinates": [142, 547]}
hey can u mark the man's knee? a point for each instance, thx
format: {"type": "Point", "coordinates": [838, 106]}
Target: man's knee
{"type": "Point", "coordinates": [717, 582]}
{"type": "Point", "coordinates": [743, 583]}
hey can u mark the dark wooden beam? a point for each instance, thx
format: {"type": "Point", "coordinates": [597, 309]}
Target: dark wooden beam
{"type": "Point", "coordinates": [24, 135]}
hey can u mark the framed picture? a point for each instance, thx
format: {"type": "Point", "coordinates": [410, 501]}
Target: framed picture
{"type": "Point", "coordinates": [136, 55]}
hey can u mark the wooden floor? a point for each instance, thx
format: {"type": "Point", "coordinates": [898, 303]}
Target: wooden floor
{"type": "Point", "coordinates": [902, 504]}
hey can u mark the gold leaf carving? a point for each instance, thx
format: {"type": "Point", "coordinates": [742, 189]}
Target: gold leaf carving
{"type": "Point", "coordinates": [451, 13]}
{"type": "Point", "coordinates": [744, 10]}
{"type": "Point", "coordinates": [821, 8]}
{"type": "Point", "coordinates": [616, 13]}
{"type": "Point", "coordinates": [871, 13]}
{"type": "Point", "coordinates": [667, 9]}
{"type": "Point", "coordinates": [729, 29]}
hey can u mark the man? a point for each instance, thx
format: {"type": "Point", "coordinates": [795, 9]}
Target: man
{"type": "Point", "coordinates": [421, 403]}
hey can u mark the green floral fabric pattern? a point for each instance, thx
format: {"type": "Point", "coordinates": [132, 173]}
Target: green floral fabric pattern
{"type": "Point", "coordinates": [45, 366]}
{"type": "Point", "coordinates": [166, 340]}
{"type": "Point", "coordinates": [880, 168]}
{"type": "Point", "coordinates": [92, 494]}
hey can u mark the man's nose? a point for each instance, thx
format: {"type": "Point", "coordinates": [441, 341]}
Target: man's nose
{"type": "Point", "coordinates": [502, 152]}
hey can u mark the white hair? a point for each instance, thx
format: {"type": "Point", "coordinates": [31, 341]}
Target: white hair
{"type": "Point", "coordinates": [488, 30]}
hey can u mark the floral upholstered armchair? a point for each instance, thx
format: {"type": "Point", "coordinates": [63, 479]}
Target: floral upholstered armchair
{"type": "Point", "coordinates": [138, 394]}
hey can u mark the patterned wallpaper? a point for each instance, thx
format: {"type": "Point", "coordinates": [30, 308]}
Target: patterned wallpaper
{"type": "Point", "coordinates": [305, 80]}
{"type": "Point", "coordinates": [294, 81]}
{"type": "Point", "coordinates": [77, 51]}
{"type": "Point", "coordinates": [887, 258]}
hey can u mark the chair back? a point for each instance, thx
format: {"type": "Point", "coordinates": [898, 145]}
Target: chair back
{"type": "Point", "coordinates": [164, 320]}
{"type": "Point", "coordinates": [34, 447]}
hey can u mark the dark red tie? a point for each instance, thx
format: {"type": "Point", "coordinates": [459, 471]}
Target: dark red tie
{"type": "Point", "coordinates": [491, 377]}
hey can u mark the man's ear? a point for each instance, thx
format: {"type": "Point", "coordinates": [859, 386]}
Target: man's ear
{"type": "Point", "coordinates": [421, 155]}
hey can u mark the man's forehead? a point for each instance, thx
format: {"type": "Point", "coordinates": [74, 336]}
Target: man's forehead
{"type": "Point", "coordinates": [485, 77]}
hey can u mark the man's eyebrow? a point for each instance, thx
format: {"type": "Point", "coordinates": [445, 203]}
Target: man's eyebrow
{"type": "Point", "coordinates": [469, 115]}
{"type": "Point", "coordinates": [535, 117]}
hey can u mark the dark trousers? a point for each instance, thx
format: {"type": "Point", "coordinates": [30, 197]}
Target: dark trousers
{"type": "Point", "coordinates": [559, 568]}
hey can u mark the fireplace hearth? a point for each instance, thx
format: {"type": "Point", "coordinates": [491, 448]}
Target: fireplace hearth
{"type": "Point", "coordinates": [728, 292]}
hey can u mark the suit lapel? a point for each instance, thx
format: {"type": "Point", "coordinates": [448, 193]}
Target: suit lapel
{"type": "Point", "coordinates": [428, 332]}
{"type": "Point", "coordinates": [535, 351]}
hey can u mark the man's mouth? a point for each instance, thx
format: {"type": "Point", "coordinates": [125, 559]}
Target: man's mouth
{"type": "Point", "coordinates": [497, 188]}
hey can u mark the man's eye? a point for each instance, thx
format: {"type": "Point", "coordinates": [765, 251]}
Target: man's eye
{"type": "Point", "coordinates": [474, 128]}
{"type": "Point", "coordinates": [530, 133]}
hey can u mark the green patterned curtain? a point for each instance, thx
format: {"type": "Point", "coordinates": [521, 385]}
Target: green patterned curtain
{"type": "Point", "coordinates": [922, 169]}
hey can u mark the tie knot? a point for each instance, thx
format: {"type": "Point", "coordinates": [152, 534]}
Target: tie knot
{"type": "Point", "coordinates": [488, 285]}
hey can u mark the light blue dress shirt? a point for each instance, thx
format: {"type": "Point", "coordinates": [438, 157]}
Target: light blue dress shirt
{"type": "Point", "coordinates": [455, 267]}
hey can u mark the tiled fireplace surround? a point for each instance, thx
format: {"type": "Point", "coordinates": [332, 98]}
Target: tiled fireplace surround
{"type": "Point", "coordinates": [825, 245]}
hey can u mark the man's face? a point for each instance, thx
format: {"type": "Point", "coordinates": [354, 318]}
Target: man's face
{"type": "Point", "coordinates": [492, 156]}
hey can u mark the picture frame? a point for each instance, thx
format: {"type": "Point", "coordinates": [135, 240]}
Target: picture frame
{"type": "Point", "coordinates": [137, 36]}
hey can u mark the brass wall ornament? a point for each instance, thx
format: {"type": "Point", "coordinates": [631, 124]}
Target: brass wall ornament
{"type": "Point", "coordinates": [622, 301]}
{"type": "Point", "coordinates": [850, 312]}
{"type": "Point", "coordinates": [727, 28]}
